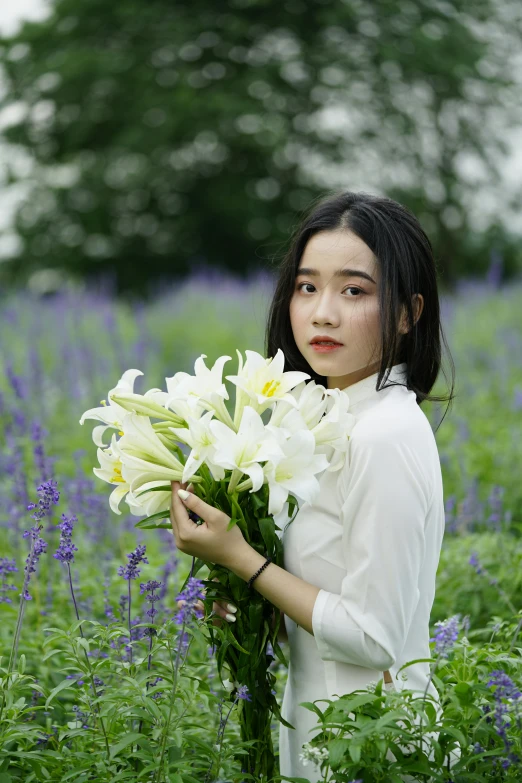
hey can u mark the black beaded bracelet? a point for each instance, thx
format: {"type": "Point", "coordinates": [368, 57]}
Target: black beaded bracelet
{"type": "Point", "coordinates": [267, 561]}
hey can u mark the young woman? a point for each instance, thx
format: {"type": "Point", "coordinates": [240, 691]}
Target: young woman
{"type": "Point", "coordinates": [356, 306]}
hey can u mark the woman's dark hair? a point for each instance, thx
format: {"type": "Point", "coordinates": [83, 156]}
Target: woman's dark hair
{"type": "Point", "coordinates": [407, 266]}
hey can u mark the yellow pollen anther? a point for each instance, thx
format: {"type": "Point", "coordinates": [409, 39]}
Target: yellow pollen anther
{"type": "Point", "coordinates": [117, 476]}
{"type": "Point", "coordinates": [104, 403]}
{"type": "Point", "coordinates": [270, 388]}
{"type": "Point", "coordinates": [121, 433]}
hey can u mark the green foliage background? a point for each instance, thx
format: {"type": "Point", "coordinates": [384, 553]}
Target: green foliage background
{"type": "Point", "coordinates": [168, 135]}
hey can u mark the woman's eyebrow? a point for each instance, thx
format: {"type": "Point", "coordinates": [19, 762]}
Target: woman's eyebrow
{"type": "Point", "coordinates": [339, 273]}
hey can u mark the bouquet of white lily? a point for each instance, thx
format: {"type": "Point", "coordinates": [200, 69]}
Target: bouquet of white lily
{"type": "Point", "coordinates": [242, 465]}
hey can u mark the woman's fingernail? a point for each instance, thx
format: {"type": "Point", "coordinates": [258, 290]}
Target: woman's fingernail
{"type": "Point", "coordinates": [231, 618]}
{"type": "Point", "coordinates": [231, 608]}
{"type": "Point", "coordinates": [183, 494]}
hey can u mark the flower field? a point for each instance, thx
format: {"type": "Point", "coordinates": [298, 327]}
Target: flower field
{"type": "Point", "coordinates": [104, 678]}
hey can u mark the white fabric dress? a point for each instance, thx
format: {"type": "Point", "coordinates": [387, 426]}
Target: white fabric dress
{"type": "Point", "coordinates": [371, 541]}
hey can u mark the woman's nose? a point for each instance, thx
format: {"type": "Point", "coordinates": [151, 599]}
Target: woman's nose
{"type": "Point", "coordinates": [324, 311]}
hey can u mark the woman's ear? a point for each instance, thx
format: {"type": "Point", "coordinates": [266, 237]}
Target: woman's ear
{"type": "Point", "coordinates": [418, 306]}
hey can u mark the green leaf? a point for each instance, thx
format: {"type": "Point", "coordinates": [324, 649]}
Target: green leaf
{"type": "Point", "coordinates": [336, 751]}
{"type": "Point", "coordinates": [175, 753]}
{"type": "Point", "coordinates": [454, 732]}
{"type": "Point", "coordinates": [355, 751]}
{"type": "Point", "coordinates": [149, 523]}
{"type": "Point", "coordinates": [313, 707]}
{"type": "Point", "coordinates": [256, 501]}
{"type": "Point", "coordinates": [64, 685]}
{"type": "Point", "coordinates": [127, 740]}
{"type": "Point", "coordinates": [267, 529]}
{"type": "Point", "coordinates": [154, 489]}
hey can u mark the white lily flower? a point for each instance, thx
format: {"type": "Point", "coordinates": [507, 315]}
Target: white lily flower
{"type": "Point", "coordinates": [144, 457]}
{"type": "Point", "coordinates": [229, 685]}
{"type": "Point", "coordinates": [111, 415]}
{"type": "Point", "coordinates": [295, 472]}
{"type": "Point", "coordinates": [110, 471]}
{"type": "Point", "coordinates": [242, 451]}
{"type": "Point", "coordinates": [201, 440]}
{"type": "Point", "coordinates": [148, 504]}
{"type": "Point", "coordinates": [146, 405]}
{"type": "Point", "coordinates": [310, 400]}
{"type": "Point", "coordinates": [264, 382]}
{"type": "Point", "coordinates": [191, 395]}
{"type": "Point", "coordinates": [334, 429]}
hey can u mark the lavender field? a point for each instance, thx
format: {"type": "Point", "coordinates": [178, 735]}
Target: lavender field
{"type": "Point", "coordinates": [59, 355]}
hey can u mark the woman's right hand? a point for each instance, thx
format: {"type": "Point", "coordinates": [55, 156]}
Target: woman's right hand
{"type": "Point", "coordinates": [220, 608]}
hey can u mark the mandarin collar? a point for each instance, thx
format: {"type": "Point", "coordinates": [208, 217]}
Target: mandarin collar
{"type": "Point", "coordinates": [365, 389]}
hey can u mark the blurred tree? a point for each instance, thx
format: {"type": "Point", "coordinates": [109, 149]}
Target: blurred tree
{"type": "Point", "coordinates": [167, 134]}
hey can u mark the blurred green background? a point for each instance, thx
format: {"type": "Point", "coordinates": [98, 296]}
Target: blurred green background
{"type": "Point", "coordinates": [144, 140]}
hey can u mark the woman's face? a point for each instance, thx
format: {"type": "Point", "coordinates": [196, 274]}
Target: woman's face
{"type": "Point", "coordinates": [342, 306]}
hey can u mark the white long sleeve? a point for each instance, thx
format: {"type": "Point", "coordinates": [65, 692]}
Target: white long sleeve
{"type": "Point", "coordinates": [383, 541]}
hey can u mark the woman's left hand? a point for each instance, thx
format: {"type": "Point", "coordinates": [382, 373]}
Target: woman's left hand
{"type": "Point", "coordinates": [210, 541]}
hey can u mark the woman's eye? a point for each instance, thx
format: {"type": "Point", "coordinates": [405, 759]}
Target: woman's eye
{"type": "Point", "coordinates": [350, 288]}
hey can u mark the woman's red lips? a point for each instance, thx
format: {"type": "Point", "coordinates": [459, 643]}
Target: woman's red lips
{"type": "Point", "coordinates": [322, 339]}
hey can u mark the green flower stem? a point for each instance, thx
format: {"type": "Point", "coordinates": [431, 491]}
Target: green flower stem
{"type": "Point", "coordinates": [234, 480]}
{"type": "Point", "coordinates": [172, 700]}
{"type": "Point", "coordinates": [89, 668]}
{"type": "Point", "coordinates": [244, 485]}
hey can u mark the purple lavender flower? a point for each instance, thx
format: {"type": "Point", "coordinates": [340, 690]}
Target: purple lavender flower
{"type": "Point", "coordinates": [131, 570]}
{"type": "Point", "coordinates": [505, 689]}
{"type": "Point", "coordinates": [48, 494]}
{"type": "Point", "coordinates": [37, 436]}
{"type": "Point", "coordinates": [446, 635]}
{"type": "Point", "coordinates": [107, 606]}
{"type": "Point", "coordinates": [6, 567]}
{"type": "Point", "coordinates": [128, 572]}
{"type": "Point", "coordinates": [66, 549]}
{"type": "Point", "coordinates": [15, 382]}
{"type": "Point", "coordinates": [474, 561]}
{"type": "Point", "coordinates": [194, 592]}
{"type": "Point", "coordinates": [122, 606]}
{"type": "Point", "coordinates": [38, 547]}
{"type": "Point", "coordinates": [157, 694]}
{"type": "Point", "coordinates": [449, 511]}
{"type": "Point", "coordinates": [495, 504]}
{"type": "Point", "coordinates": [243, 693]}
{"type": "Point", "coordinates": [151, 596]}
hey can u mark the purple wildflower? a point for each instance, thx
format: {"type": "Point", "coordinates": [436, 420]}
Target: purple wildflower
{"type": "Point", "coordinates": [194, 592]}
{"type": "Point", "coordinates": [38, 547]}
{"type": "Point", "coordinates": [474, 561]}
{"type": "Point", "coordinates": [506, 689]}
{"type": "Point", "coordinates": [48, 494]}
{"type": "Point", "coordinates": [243, 693]}
{"type": "Point", "coordinates": [122, 606]}
{"type": "Point", "coordinates": [37, 436]}
{"type": "Point", "coordinates": [131, 570]}
{"type": "Point", "coordinates": [6, 567]}
{"type": "Point", "coordinates": [128, 572]}
{"type": "Point", "coordinates": [16, 382]}
{"type": "Point", "coordinates": [157, 694]}
{"type": "Point", "coordinates": [151, 596]}
{"type": "Point", "coordinates": [107, 606]}
{"type": "Point", "coordinates": [446, 635]}
{"type": "Point", "coordinates": [66, 549]}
